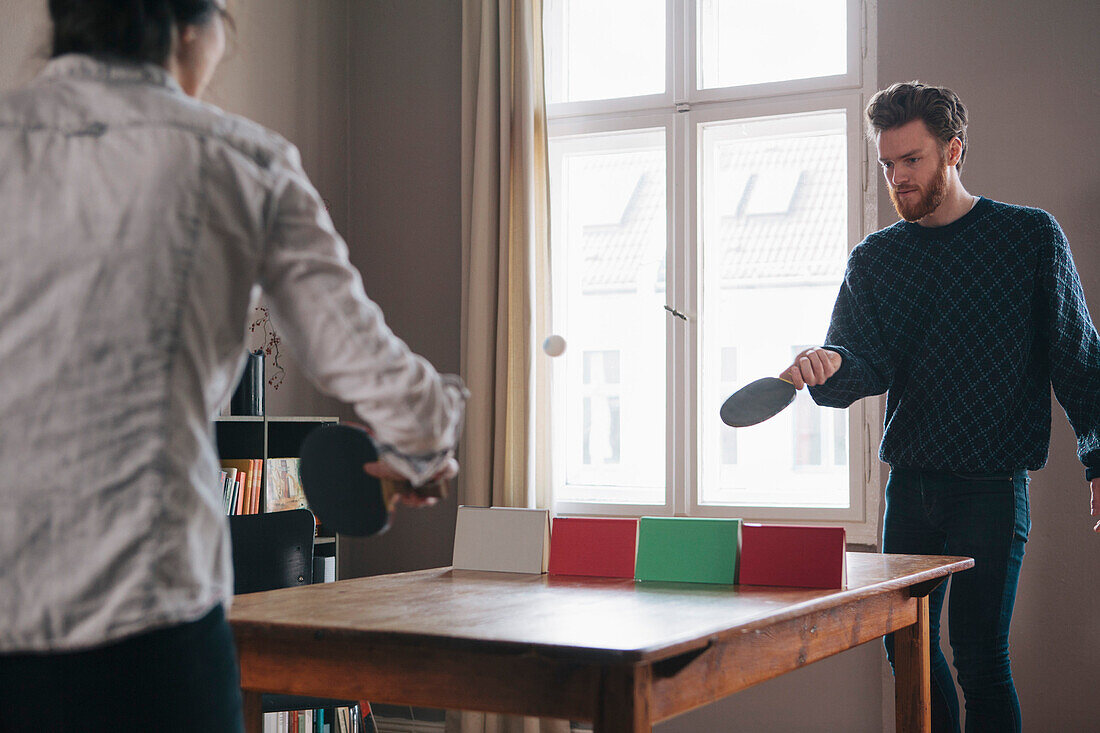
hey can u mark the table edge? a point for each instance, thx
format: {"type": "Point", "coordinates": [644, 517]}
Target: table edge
{"type": "Point", "coordinates": [246, 629]}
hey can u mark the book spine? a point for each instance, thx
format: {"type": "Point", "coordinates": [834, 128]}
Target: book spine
{"type": "Point", "coordinates": [254, 482]}
{"type": "Point", "coordinates": [246, 491]}
{"type": "Point", "coordinates": [238, 506]}
{"type": "Point", "coordinates": [224, 485]}
{"type": "Point", "coordinates": [231, 488]}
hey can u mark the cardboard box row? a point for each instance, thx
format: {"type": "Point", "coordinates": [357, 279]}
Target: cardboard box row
{"type": "Point", "coordinates": [673, 549]}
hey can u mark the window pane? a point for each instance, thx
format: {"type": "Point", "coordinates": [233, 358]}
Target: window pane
{"type": "Point", "coordinates": [728, 375]}
{"type": "Point", "coordinates": [807, 426]}
{"type": "Point", "coordinates": [604, 49]}
{"type": "Point", "coordinates": [840, 436]}
{"type": "Point", "coordinates": [770, 273]}
{"type": "Point", "coordinates": [750, 42]}
{"type": "Point", "coordinates": [608, 253]}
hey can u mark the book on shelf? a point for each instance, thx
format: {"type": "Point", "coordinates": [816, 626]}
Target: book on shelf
{"type": "Point", "coordinates": [238, 494]}
{"type": "Point", "coordinates": [229, 486]}
{"type": "Point", "coordinates": [237, 469]}
{"type": "Point", "coordinates": [246, 487]}
{"type": "Point", "coordinates": [318, 720]}
{"type": "Point", "coordinates": [283, 487]}
{"type": "Point", "coordinates": [347, 720]}
{"type": "Point", "coordinates": [223, 483]}
{"type": "Point", "coordinates": [324, 569]}
{"type": "Point", "coordinates": [243, 478]}
{"type": "Point", "coordinates": [254, 479]}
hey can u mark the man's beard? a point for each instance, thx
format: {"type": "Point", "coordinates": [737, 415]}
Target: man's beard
{"type": "Point", "coordinates": [928, 202]}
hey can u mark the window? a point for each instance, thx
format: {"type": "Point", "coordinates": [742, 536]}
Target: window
{"type": "Point", "coordinates": [728, 385]}
{"type": "Point", "coordinates": [708, 178]}
{"type": "Point", "coordinates": [601, 445]}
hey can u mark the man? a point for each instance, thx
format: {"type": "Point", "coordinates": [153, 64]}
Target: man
{"type": "Point", "coordinates": [964, 313]}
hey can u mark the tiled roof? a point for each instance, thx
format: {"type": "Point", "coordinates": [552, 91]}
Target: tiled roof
{"type": "Point", "coordinates": [806, 242]}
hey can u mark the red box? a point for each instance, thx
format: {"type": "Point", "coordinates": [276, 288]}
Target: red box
{"type": "Point", "coordinates": [603, 547]}
{"type": "Point", "coordinates": [794, 556]}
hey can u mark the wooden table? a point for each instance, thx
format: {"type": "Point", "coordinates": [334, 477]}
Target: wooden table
{"type": "Point", "coordinates": [624, 655]}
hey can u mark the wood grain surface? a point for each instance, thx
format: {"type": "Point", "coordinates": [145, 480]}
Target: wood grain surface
{"type": "Point", "coordinates": [591, 618]}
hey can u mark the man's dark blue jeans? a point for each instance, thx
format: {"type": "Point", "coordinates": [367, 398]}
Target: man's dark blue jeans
{"type": "Point", "coordinates": [986, 517]}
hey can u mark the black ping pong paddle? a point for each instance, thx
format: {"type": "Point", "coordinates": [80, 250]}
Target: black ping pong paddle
{"type": "Point", "coordinates": [344, 497]}
{"type": "Point", "coordinates": [757, 401]}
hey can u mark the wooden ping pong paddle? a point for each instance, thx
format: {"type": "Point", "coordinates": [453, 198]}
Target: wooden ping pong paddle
{"type": "Point", "coordinates": [757, 401]}
{"type": "Point", "coordinates": [344, 497]}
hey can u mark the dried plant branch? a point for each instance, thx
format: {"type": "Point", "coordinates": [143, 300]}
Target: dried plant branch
{"type": "Point", "coordinates": [271, 345]}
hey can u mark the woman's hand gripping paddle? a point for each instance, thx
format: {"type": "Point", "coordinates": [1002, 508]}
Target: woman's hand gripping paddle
{"type": "Point", "coordinates": [340, 492]}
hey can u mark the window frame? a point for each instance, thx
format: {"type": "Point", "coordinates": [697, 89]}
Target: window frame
{"type": "Point", "coordinates": [681, 110]}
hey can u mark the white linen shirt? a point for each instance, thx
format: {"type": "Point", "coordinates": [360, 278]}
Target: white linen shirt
{"type": "Point", "coordinates": [137, 227]}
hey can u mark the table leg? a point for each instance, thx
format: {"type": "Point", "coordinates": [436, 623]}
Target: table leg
{"type": "Point", "coordinates": [253, 711]}
{"type": "Point", "coordinates": [624, 701]}
{"type": "Point", "coordinates": [912, 674]}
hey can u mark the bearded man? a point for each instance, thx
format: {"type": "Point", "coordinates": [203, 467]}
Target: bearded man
{"type": "Point", "coordinates": [964, 313]}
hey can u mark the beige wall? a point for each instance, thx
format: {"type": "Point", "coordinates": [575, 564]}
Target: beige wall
{"type": "Point", "coordinates": [286, 68]}
{"type": "Point", "coordinates": [404, 159]}
{"type": "Point", "coordinates": [24, 40]}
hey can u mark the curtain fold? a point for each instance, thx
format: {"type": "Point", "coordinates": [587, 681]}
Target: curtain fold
{"type": "Point", "coordinates": [505, 271]}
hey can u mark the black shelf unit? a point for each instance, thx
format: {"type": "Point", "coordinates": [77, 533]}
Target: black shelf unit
{"type": "Point", "coordinates": [272, 436]}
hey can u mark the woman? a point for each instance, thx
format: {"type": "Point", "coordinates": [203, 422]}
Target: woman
{"type": "Point", "coordinates": [138, 227]}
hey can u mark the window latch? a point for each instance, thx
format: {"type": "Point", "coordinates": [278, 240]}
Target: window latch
{"type": "Point", "coordinates": [678, 314]}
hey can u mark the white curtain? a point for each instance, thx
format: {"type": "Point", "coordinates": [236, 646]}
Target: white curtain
{"type": "Point", "coordinates": [505, 233]}
{"type": "Point", "coordinates": [505, 269]}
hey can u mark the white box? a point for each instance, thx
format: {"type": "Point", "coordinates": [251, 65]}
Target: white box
{"type": "Point", "coordinates": [502, 539]}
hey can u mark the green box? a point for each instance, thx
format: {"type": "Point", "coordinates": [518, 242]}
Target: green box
{"type": "Point", "coordinates": [688, 549]}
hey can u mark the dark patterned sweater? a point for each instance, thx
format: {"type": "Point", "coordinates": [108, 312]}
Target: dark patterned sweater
{"type": "Point", "coordinates": [966, 327]}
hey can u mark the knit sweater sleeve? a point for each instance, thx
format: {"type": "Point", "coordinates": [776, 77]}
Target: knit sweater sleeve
{"type": "Point", "coordinates": [1074, 347]}
{"type": "Point", "coordinates": [855, 333]}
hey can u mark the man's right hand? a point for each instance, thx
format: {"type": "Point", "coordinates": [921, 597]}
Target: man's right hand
{"type": "Point", "coordinates": [812, 366]}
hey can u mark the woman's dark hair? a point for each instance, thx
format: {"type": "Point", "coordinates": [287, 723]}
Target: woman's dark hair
{"type": "Point", "coordinates": [939, 107]}
{"type": "Point", "coordinates": [132, 30]}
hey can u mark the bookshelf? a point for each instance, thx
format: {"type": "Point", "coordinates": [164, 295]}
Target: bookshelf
{"type": "Point", "coordinates": [272, 436]}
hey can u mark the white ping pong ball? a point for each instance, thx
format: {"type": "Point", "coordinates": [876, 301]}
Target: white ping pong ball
{"type": "Point", "coordinates": [554, 345]}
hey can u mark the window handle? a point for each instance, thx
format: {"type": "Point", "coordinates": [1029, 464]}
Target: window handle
{"type": "Point", "coordinates": [678, 314]}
